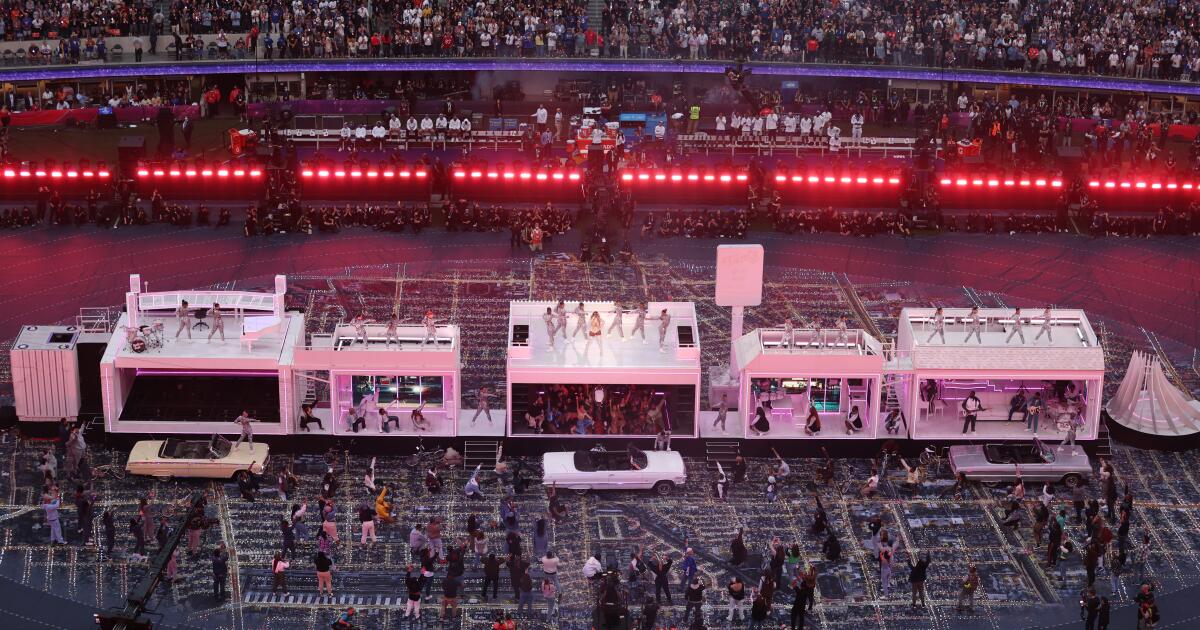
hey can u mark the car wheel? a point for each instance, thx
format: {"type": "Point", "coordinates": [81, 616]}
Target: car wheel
{"type": "Point", "coordinates": [581, 491]}
{"type": "Point", "coordinates": [1072, 480]}
{"type": "Point", "coordinates": [663, 488]}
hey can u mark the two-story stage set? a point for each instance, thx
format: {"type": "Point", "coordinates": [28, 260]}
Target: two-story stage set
{"type": "Point", "coordinates": [616, 372]}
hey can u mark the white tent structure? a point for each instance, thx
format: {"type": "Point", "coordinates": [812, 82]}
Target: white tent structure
{"type": "Point", "coordinates": [1148, 403]}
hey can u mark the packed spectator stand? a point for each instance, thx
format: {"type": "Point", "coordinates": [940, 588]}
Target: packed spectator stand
{"type": "Point", "coordinates": [1099, 37]}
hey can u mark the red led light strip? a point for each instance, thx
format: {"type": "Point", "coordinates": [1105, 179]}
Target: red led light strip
{"type": "Point", "coordinates": [208, 172]}
{"type": "Point", "coordinates": [676, 178]}
{"type": "Point", "coordinates": [855, 180]}
{"type": "Point", "coordinates": [992, 182]}
{"type": "Point", "coordinates": [556, 176]}
{"type": "Point", "coordinates": [1110, 184]}
{"type": "Point", "coordinates": [324, 173]}
{"type": "Point", "coordinates": [58, 174]}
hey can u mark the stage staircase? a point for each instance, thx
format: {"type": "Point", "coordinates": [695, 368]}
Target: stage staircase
{"type": "Point", "coordinates": [1103, 441]}
{"type": "Point", "coordinates": [476, 452]}
{"type": "Point", "coordinates": [721, 452]}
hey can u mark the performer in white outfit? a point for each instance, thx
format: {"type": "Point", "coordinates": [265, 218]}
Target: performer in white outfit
{"type": "Point", "coordinates": [639, 324]}
{"type": "Point", "coordinates": [974, 325]}
{"type": "Point", "coordinates": [485, 396]}
{"type": "Point", "coordinates": [664, 321]}
{"type": "Point", "coordinates": [551, 330]}
{"type": "Point", "coordinates": [247, 435]}
{"type": "Point", "coordinates": [618, 321]}
{"type": "Point", "coordinates": [595, 333]}
{"type": "Point", "coordinates": [360, 329]}
{"type": "Point", "coordinates": [939, 326]}
{"type": "Point", "coordinates": [1016, 327]}
{"type": "Point", "coordinates": [856, 126]}
{"type": "Point", "coordinates": [1045, 327]}
{"type": "Point", "coordinates": [218, 322]}
{"type": "Point", "coordinates": [390, 334]}
{"type": "Point", "coordinates": [580, 321]}
{"type": "Point", "coordinates": [184, 315]}
{"type": "Point", "coordinates": [843, 334]}
{"type": "Point", "coordinates": [560, 313]}
{"type": "Point", "coordinates": [430, 328]}
{"type": "Point", "coordinates": [722, 413]}
{"type": "Point", "coordinates": [814, 328]}
{"type": "Point", "coordinates": [789, 334]}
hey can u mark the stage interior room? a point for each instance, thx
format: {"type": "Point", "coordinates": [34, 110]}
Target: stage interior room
{"type": "Point", "coordinates": [581, 410]}
{"type": "Point", "coordinates": [1061, 373]}
{"type": "Point", "coordinates": [642, 387]}
{"type": "Point", "coordinates": [194, 382]}
{"type": "Point", "coordinates": [379, 388]}
{"type": "Point", "coordinates": [816, 384]}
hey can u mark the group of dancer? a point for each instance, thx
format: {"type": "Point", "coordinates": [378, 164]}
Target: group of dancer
{"type": "Point", "coordinates": [599, 410]}
{"type": "Point", "coordinates": [974, 323]}
{"type": "Point", "coordinates": [183, 315]}
{"type": "Point", "coordinates": [390, 336]}
{"type": "Point", "coordinates": [815, 336]}
{"type": "Point", "coordinates": [592, 327]}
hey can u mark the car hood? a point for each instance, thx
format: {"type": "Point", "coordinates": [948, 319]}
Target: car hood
{"type": "Point", "coordinates": [145, 451]}
{"type": "Point", "coordinates": [665, 461]}
{"type": "Point", "coordinates": [967, 456]}
{"type": "Point", "coordinates": [558, 463]}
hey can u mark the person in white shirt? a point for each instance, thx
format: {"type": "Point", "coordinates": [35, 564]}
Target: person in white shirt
{"type": "Point", "coordinates": [441, 123]}
{"type": "Point", "coordinates": [771, 122]}
{"type": "Point", "coordinates": [806, 126]}
{"type": "Point", "coordinates": [394, 126]}
{"type": "Point", "coordinates": [592, 568]}
{"type": "Point", "coordinates": [759, 125]}
{"type": "Point", "coordinates": [455, 127]}
{"type": "Point", "coordinates": [412, 125]}
{"type": "Point", "coordinates": [346, 133]}
{"type": "Point", "coordinates": [465, 126]}
{"type": "Point", "coordinates": [360, 136]}
{"type": "Point", "coordinates": [660, 132]}
{"type": "Point", "coordinates": [819, 124]}
{"type": "Point", "coordinates": [540, 117]}
{"type": "Point", "coordinates": [789, 124]}
{"type": "Point", "coordinates": [378, 133]}
{"type": "Point", "coordinates": [721, 122]}
{"type": "Point", "coordinates": [856, 126]}
{"type": "Point", "coordinates": [426, 126]}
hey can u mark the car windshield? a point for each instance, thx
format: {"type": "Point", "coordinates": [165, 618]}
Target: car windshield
{"type": "Point", "coordinates": [999, 454]}
{"type": "Point", "coordinates": [584, 461]}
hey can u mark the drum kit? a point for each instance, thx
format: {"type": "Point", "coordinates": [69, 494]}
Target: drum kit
{"type": "Point", "coordinates": [145, 338]}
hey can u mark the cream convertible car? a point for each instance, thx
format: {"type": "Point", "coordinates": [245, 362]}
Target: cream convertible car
{"type": "Point", "coordinates": [214, 458]}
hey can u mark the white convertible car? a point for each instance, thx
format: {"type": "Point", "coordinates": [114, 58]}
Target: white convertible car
{"type": "Point", "coordinates": [214, 458]}
{"type": "Point", "coordinates": [634, 469]}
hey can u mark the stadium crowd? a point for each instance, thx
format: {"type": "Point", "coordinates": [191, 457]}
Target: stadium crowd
{"type": "Point", "coordinates": [1154, 40]}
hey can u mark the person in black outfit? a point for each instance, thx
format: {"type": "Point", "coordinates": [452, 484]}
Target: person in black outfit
{"type": "Point", "coordinates": [739, 470]}
{"type": "Point", "coordinates": [516, 569]}
{"type": "Point", "coordinates": [916, 577]}
{"type": "Point", "coordinates": [798, 601]}
{"type": "Point", "coordinates": [491, 574]}
{"type": "Point", "coordinates": [220, 568]}
{"type": "Point", "coordinates": [832, 548]}
{"type": "Point", "coordinates": [737, 549]}
{"type": "Point", "coordinates": [693, 597]}
{"type": "Point", "coordinates": [289, 537]}
{"type": "Point", "coordinates": [662, 578]}
{"type": "Point", "coordinates": [649, 614]}
{"type": "Point", "coordinates": [820, 520]}
{"type": "Point", "coordinates": [110, 531]}
{"type": "Point", "coordinates": [1103, 614]}
{"type": "Point", "coordinates": [1091, 606]}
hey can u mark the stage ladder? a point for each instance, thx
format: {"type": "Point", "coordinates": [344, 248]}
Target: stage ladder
{"type": "Point", "coordinates": [722, 452]}
{"type": "Point", "coordinates": [480, 452]}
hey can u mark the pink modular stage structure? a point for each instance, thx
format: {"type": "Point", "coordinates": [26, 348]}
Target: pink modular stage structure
{"type": "Point", "coordinates": [363, 382]}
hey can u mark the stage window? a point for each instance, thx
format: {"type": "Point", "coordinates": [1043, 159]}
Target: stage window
{"type": "Point", "coordinates": [404, 391]}
{"type": "Point", "coordinates": [823, 393]}
{"type": "Point", "coordinates": [577, 410]}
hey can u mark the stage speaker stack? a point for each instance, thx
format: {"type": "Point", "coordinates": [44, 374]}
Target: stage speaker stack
{"type": "Point", "coordinates": [130, 149]}
{"type": "Point", "coordinates": [687, 338]}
